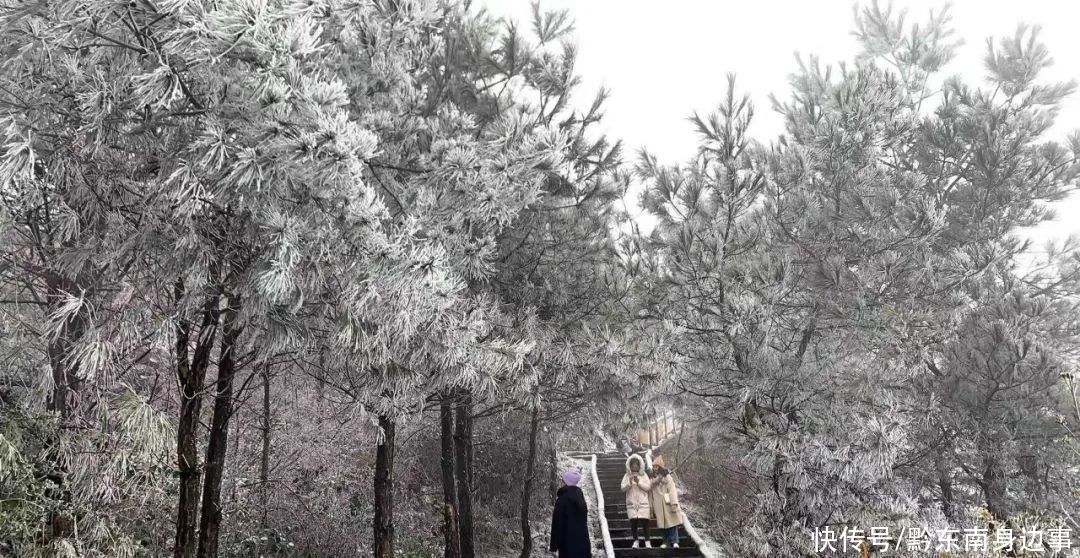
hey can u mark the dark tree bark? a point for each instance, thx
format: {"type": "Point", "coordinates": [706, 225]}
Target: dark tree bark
{"type": "Point", "coordinates": [190, 374]}
{"type": "Point", "coordinates": [1034, 471]}
{"type": "Point", "coordinates": [62, 400]}
{"type": "Point", "coordinates": [452, 546]}
{"type": "Point", "coordinates": [527, 486]}
{"type": "Point", "coordinates": [65, 370]}
{"type": "Point", "coordinates": [384, 491]}
{"type": "Point", "coordinates": [553, 464]}
{"type": "Point", "coordinates": [993, 487]}
{"type": "Point", "coordinates": [217, 446]}
{"type": "Point", "coordinates": [264, 457]}
{"type": "Point", "coordinates": [946, 486]}
{"type": "Point", "coordinates": [463, 465]}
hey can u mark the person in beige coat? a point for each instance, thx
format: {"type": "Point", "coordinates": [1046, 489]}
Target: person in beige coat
{"type": "Point", "coordinates": [665, 503]}
{"type": "Point", "coordinates": [636, 485]}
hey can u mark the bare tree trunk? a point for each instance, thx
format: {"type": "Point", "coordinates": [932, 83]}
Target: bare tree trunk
{"type": "Point", "coordinates": [217, 446]}
{"type": "Point", "coordinates": [678, 448]}
{"type": "Point", "coordinates": [62, 400]}
{"type": "Point", "coordinates": [463, 466]}
{"type": "Point", "coordinates": [384, 491]}
{"type": "Point", "coordinates": [452, 546]}
{"type": "Point", "coordinates": [264, 457]}
{"type": "Point", "coordinates": [946, 487]}
{"type": "Point", "coordinates": [236, 424]}
{"type": "Point", "coordinates": [553, 463]}
{"type": "Point", "coordinates": [1075, 399]}
{"type": "Point", "coordinates": [527, 486]}
{"type": "Point", "coordinates": [65, 369]}
{"type": "Point", "coordinates": [993, 486]}
{"type": "Point", "coordinates": [190, 377]}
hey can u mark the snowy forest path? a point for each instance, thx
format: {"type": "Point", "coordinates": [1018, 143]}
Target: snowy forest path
{"type": "Point", "coordinates": [610, 468]}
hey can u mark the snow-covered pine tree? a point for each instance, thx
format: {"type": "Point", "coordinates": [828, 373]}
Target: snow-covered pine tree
{"type": "Point", "coordinates": [816, 281]}
{"type": "Point", "coordinates": [460, 158]}
{"type": "Point", "coordinates": [243, 157]}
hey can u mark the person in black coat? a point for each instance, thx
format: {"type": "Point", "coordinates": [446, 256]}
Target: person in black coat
{"type": "Point", "coordinates": [570, 520]}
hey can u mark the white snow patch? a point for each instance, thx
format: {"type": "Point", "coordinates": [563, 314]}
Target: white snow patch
{"type": "Point", "coordinates": [588, 484]}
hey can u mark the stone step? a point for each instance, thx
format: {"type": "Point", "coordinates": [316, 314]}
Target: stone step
{"type": "Point", "coordinates": [610, 468]}
{"type": "Point", "coordinates": [653, 533]}
{"type": "Point", "coordinates": [622, 523]}
{"type": "Point", "coordinates": [624, 541]}
{"type": "Point", "coordinates": [657, 552]}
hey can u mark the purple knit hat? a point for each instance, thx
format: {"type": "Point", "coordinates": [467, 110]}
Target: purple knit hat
{"type": "Point", "coordinates": [571, 477]}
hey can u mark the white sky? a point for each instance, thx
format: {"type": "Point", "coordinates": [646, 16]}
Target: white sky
{"type": "Point", "coordinates": [663, 63]}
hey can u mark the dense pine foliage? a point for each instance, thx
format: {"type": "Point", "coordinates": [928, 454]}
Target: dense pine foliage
{"type": "Point", "coordinates": [343, 277]}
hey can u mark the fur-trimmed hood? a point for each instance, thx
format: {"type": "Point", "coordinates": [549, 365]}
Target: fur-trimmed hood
{"type": "Point", "coordinates": [636, 490]}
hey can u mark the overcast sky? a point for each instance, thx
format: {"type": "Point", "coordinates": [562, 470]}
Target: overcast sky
{"type": "Point", "coordinates": [663, 63]}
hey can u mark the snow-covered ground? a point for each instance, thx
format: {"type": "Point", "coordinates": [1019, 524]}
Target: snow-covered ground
{"type": "Point", "coordinates": [708, 546]}
{"type": "Point", "coordinates": [587, 487]}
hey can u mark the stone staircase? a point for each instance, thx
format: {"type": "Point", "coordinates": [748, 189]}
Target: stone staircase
{"type": "Point", "coordinates": [610, 468]}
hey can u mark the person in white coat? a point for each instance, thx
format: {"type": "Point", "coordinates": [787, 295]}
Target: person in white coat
{"type": "Point", "coordinates": [636, 486]}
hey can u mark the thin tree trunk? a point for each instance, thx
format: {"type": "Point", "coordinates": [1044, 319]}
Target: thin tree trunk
{"type": "Point", "coordinates": [1075, 399]}
{"type": "Point", "coordinates": [264, 457]}
{"type": "Point", "coordinates": [463, 466]}
{"type": "Point", "coordinates": [452, 546]}
{"type": "Point", "coordinates": [62, 401]}
{"type": "Point", "coordinates": [384, 491]}
{"type": "Point", "coordinates": [553, 463]}
{"type": "Point", "coordinates": [527, 486]}
{"type": "Point", "coordinates": [678, 448]}
{"type": "Point", "coordinates": [217, 446]}
{"type": "Point", "coordinates": [236, 424]}
{"type": "Point", "coordinates": [993, 486]}
{"type": "Point", "coordinates": [946, 487]}
{"type": "Point", "coordinates": [65, 369]}
{"type": "Point", "coordinates": [190, 377]}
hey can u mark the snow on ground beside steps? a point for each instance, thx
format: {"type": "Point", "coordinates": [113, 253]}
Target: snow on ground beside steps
{"type": "Point", "coordinates": [541, 525]}
{"type": "Point", "coordinates": [708, 546]}
{"type": "Point", "coordinates": [586, 484]}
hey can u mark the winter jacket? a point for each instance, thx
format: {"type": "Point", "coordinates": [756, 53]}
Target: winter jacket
{"type": "Point", "coordinates": [570, 524]}
{"type": "Point", "coordinates": [668, 513]}
{"type": "Point", "coordinates": [637, 494]}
